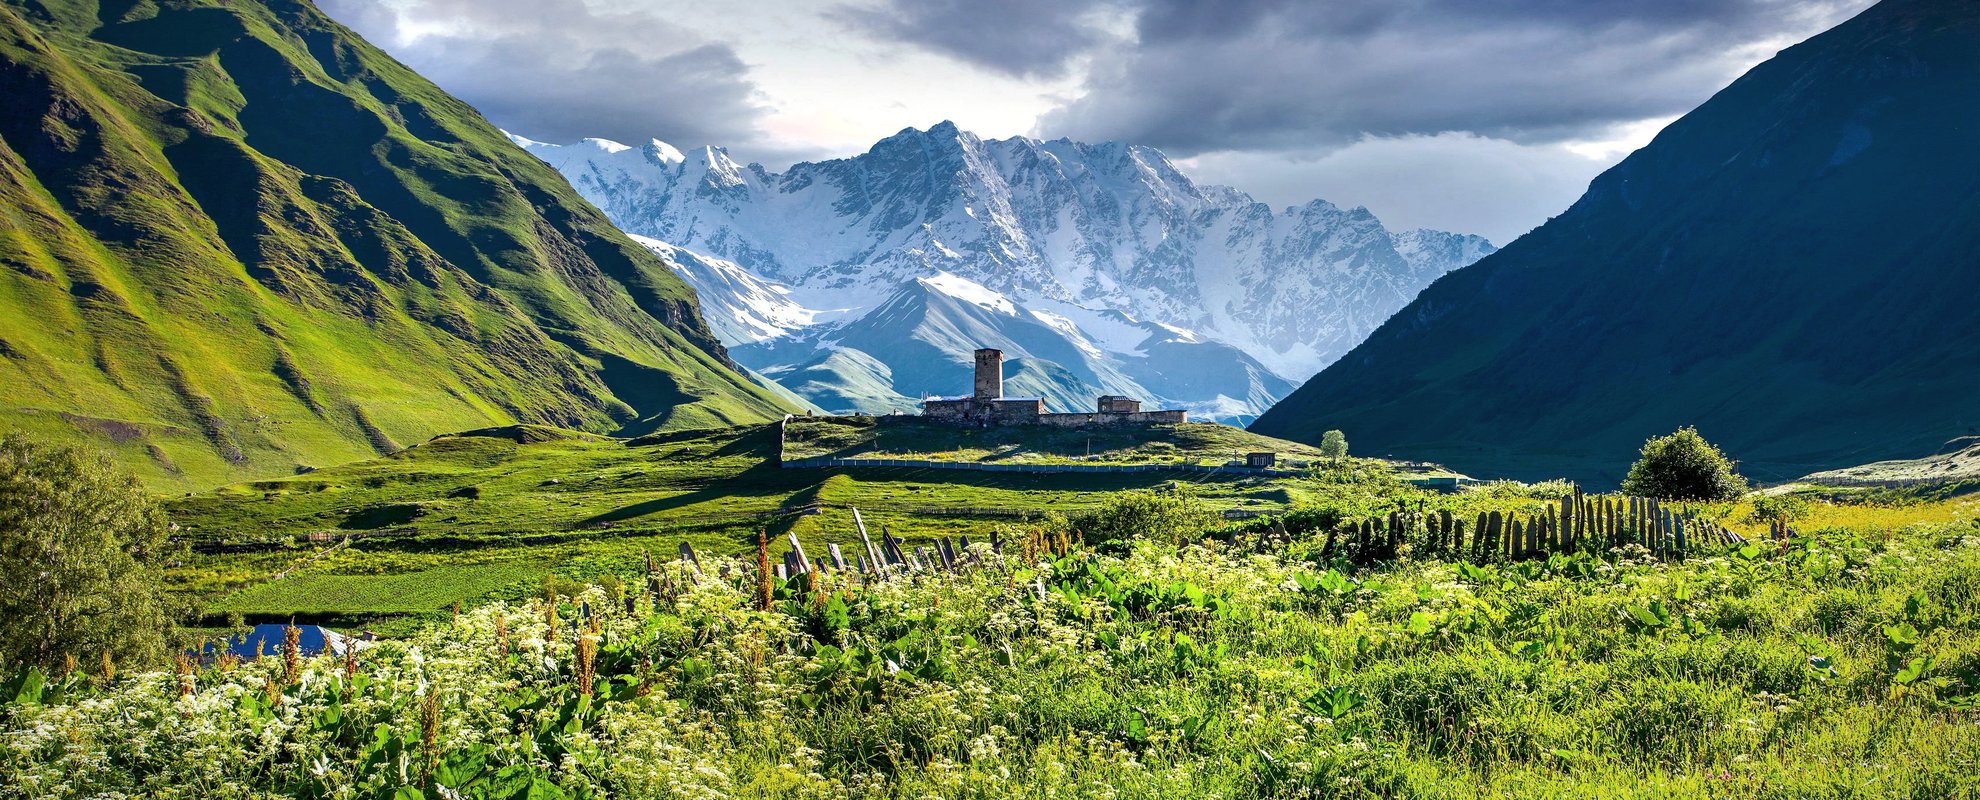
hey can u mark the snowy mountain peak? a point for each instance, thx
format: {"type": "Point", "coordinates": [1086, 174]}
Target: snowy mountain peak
{"type": "Point", "coordinates": [663, 153]}
{"type": "Point", "coordinates": [606, 145]}
{"type": "Point", "coordinates": [1073, 230]}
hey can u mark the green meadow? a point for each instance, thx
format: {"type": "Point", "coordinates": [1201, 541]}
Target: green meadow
{"type": "Point", "coordinates": [490, 513]}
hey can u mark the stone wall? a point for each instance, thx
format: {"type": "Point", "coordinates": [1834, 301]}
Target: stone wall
{"type": "Point", "coordinates": [1116, 404]}
{"type": "Point", "coordinates": [1138, 418]}
{"type": "Point", "coordinates": [975, 411]}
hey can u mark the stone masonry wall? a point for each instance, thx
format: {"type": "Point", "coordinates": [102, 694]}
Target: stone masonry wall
{"type": "Point", "coordinates": [1139, 418]}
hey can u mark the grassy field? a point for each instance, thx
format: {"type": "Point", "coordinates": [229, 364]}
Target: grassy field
{"type": "Point", "coordinates": [486, 516]}
{"type": "Point", "coordinates": [912, 437]}
{"type": "Point", "coordinates": [511, 505]}
{"type": "Point", "coordinates": [1841, 663]}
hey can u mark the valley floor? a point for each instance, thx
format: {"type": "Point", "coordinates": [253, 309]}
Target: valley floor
{"type": "Point", "coordinates": [1842, 662]}
{"type": "Point", "coordinates": [488, 514]}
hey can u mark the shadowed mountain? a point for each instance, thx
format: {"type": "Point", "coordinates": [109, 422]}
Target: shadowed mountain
{"type": "Point", "coordinates": [1793, 267]}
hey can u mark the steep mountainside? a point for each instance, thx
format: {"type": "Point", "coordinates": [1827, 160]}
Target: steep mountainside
{"type": "Point", "coordinates": [1107, 227]}
{"type": "Point", "coordinates": [1794, 267]}
{"type": "Point", "coordinates": [239, 240]}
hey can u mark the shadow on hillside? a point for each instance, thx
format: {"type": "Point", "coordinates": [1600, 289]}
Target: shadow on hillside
{"type": "Point", "coordinates": [765, 475]}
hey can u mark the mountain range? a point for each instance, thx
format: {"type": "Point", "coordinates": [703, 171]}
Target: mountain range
{"type": "Point", "coordinates": [1793, 267]}
{"type": "Point", "coordinates": [239, 241]}
{"type": "Point", "coordinates": [1102, 268]}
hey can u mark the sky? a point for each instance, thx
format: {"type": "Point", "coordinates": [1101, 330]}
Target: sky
{"type": "Point", "coordinates": [1476, 116]}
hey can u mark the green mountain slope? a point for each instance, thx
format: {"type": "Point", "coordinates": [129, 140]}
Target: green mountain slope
{"type": "Point", "coordinates": [1793, 267]}
{"type": "Point", "coordinates": [238, 239]}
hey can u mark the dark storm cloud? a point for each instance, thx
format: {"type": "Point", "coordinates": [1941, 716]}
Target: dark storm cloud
{"type": "Point", "coordinates": [559, 70]}
{"type": "Point", "coordinates": [1015, 37]}
{"type": "Point", "coordinates": [1298, 75]}
{"type": "Point", "coordinates": [1273, 74]}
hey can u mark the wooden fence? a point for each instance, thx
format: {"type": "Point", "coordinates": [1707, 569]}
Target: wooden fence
{"type": "Point", "coordinates": [1575, 523]}
{"type": "Point", "coordinates": [877, 558]}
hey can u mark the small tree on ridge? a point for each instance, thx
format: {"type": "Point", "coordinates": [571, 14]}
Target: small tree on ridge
{"type": "Point", "coordinates": [1334, 445]}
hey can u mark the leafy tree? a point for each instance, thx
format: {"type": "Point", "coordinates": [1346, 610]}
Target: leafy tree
{"type": "Point", "coordinates": [1333, 444]}
{"type": "Point", "coordinates": [1683, 466]}
{"type": "Point", "coordinates": [81, 551]}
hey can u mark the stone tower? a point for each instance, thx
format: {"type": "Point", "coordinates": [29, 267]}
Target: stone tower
{"type": "Point", "coordinates": [989, 374]}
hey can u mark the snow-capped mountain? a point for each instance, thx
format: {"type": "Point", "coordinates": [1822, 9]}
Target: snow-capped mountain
{"type": "Point", "coordinates": [1101, 237]}
{"type": "Point", "coordinates": [918, 342]}
{"type": "Point", "coordinates": [739, 306]}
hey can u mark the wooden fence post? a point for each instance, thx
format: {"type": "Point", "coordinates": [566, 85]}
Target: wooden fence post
{"type": "Point", "coordinates": [894, 551]}
{"type": "Point", "coordinates": [872, 553]}
{"type": "Point", "coordinates": [1478, 536]}
{"type": "Point", "coordinates": [803, 563]}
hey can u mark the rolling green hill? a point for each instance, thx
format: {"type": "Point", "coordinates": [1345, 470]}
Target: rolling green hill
{"type": "Point", "coordinates": [239, 241]}
{"type": "Point", "coordinates": [1793, 267]}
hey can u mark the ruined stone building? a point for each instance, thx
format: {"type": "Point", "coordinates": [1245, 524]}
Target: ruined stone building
{"type": "Point", "coordinates": [988, 406]}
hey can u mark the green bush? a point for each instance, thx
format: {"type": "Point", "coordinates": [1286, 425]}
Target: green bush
{"type": "Point", "coordinates": [1780, 508]}
{"type": "Point", "coordinates": [1172, 516]}
{"type": "Point", "coordinates": [1515, 490]}
{"type": "Point", "coordinates": [81, 549]}
{"type": "Point", "coordinates": [1683, 466]}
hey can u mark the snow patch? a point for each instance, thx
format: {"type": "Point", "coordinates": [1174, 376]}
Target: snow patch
{"type": "Point", "coordinates": [970, 292]}
{"type": "Point", "coordinates": [738, 306]}
{"type": "Point", "coordinates": [606, 145]}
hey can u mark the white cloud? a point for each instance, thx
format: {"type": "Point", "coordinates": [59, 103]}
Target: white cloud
{"type": "Point", "coordinates": [1455, 181]}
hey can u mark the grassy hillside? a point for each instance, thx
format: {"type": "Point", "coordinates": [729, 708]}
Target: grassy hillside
{"type": "Point", "coordinates": [1789, 267]}
{"type": "Point", "coordinates": [239, 240]}
{"type": "Point", "coordinates": [1957, 462]}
